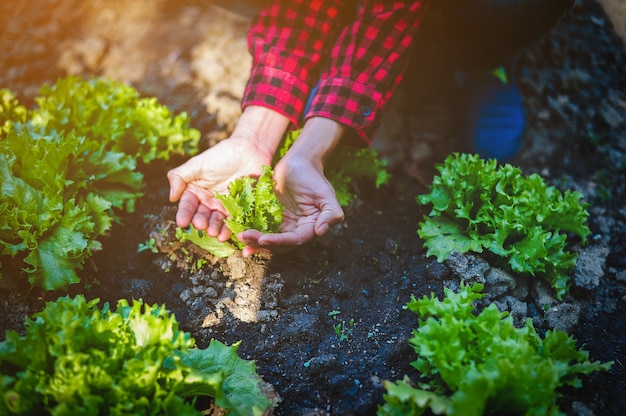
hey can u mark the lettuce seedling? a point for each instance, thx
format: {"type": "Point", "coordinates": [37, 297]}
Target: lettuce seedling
{"type": "Point", "coordinates": [481, 364]}
{"type": "Point", "coordinates": [478, 206]}
{"type": "Point", "coordinates": [252, 204]}
{"type": "Point", "coordinates": [78, 359]}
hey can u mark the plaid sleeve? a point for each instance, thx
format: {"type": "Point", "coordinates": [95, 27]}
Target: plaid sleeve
{"type": "Point", "coordinates": [366, 65]}
{"type": "Point", "coordinates": [287, 41]}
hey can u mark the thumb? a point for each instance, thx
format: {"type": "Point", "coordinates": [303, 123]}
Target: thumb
{"type": "Point", "coordinates": [177, 185]}
{"type": "Point", "coordinates": [331, 214]}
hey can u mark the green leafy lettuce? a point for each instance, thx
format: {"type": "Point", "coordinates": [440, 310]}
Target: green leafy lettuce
{"type": "Point", "coordinates": [481, 364]}
{"type": "Point", "coordinates": [78, 359]}
{"type": "Point", "coordinates": [10, 111]}
{"type": "Point", "coordinates": [251, 203]}
{"type": "Point", "coordinates": [115, 114]}
{"type": "Point", "coordinates": [68, 166]}
{"type": "Point", "coordinates": [478, 206]}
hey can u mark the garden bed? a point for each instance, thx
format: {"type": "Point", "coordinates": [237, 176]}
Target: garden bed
{"type": "Point", "coordinates": [325, 322]}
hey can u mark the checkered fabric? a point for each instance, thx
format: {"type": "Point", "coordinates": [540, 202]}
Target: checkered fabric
{"type": "Point", "coordinates": [355, 51]}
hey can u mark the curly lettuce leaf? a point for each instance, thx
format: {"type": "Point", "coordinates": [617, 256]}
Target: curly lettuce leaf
{"type": "Point", "coordinates": [252, 204]}
{"type": "Point", "coordinates": [76, 358]}
{"type": "Point", "coordinates": [219, 249]}
{"type": "Point", "coordinates": [477, 205]}
{"type": "Point", "coordinates": [114, 114]}
{"type": "Point", "coordinates": [480, 363]}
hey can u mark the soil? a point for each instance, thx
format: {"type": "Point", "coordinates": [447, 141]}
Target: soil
{"type": "Point", "coordinates": [284, 307]}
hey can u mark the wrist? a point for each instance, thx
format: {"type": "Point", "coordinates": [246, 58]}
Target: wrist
{"type": "Point", "coordinates": [318, 139]}
{"type": "Point", "coordinates": [262, 128]}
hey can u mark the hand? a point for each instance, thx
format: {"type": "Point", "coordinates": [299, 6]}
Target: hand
{"type": "Point", "coordinates": [196, 182]}
{"type": "Point", "coordinates": [311, 207]}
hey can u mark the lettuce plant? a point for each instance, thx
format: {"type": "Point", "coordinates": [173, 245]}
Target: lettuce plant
{"type": "Point", "coordinates": [478, 206]}
{"type": "Point", "coordinates": [481, 364]}
{"type": "Point", "coordinates": [69, 165]}
{"type": "Point", "coordinates": [252, 204]}
{"type": "Point", "coordinates": [115, 114]}
{"type": "Point", "coordinates": [76, 358]}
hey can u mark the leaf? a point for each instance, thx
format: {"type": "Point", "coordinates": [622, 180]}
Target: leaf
{"type": "Point", "coordinates": [477, 205]}
{"type": "Point", "coordinates": [76, 358]}
{"type": "Point", "coordinates": [480, 363]}
{"type": "Point", "coordinates": [204, 241]}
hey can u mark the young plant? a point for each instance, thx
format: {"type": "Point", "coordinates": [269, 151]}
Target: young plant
{"type": "Point", "coordinates": [478, 206]}
{"type": "Point", "coordinates": [481, 364]}
{"type": "Point", "coordinates": [78, 359]}
{"type": "Point", "coordinates": [252, 204]}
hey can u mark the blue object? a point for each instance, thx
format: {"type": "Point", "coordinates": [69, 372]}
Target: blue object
{"type": "Point", "coordinates": [492, 117]}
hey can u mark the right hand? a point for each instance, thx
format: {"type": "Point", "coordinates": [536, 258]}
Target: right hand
{"type": "Point", "coordinates": [196, 182]}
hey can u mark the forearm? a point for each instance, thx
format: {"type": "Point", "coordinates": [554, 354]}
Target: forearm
{"type": "Point", "coordinates": [263, 128]}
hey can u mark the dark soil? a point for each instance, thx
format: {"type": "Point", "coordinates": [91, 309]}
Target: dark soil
{"type": "Point", "coordinates": [366, 269]}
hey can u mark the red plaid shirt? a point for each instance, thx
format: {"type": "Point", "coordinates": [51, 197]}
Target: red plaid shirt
{"type": "Point", "coordinates": [358, 55]}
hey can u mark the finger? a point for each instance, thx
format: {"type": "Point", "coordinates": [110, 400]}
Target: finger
{"type": "Point", "coordinates": [250, 237]}
{"type": "Point", "coordinates": [296, 237]}
{"type": "Point", "coordinates": [331, 214]}
{"type": "Point", "coordinates": [216, 221]}
{"type": "Point", "coordinates": [187, 208]}
{"type": "Point", "coordinates": [250, 251]}
{"type": "Point", "coordinates": [177, 185]}
{"type": "Point", "coordinates": [201, 217]}
{"type": "Point", "coordinates": [225, 233]}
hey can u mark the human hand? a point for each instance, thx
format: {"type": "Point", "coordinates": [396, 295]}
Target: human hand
{"type": "Point", "coordinates": [311, 207]}
{"type": "Point", "coordinates": [196, 182]}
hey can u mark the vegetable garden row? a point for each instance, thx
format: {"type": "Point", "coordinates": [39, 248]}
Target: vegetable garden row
{"type": "Point", "coordinates": [71, 166]}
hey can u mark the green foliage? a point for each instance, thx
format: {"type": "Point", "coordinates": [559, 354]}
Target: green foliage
{"type": "Point", "coordinates": [78, 359]}
{"type": "Point", "coordinates": [10, 111]}
{"type": "Point", "coordinates": [252, 204]}
{"type": "Point", "coordinates": [203, 240]}
{"type": "Point", "coordinates": [345, 165]}
{"type": "Point", "coordinates": [481, 364]}
{"type": "Point", "coordinates": [65, 170]}
{"type": "Point", "coordinates": [113, 113]}
{"type": "Point", "coordinates": [477, 205]}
